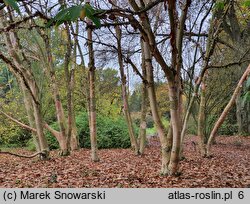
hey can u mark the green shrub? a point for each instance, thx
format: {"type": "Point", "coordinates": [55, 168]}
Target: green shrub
{"type": "Point", "coordinates": [151, 131]}
{"type": "Point", "coordinates": [13, 136]}
{"type": "Point", "coordinates": [82, 125]}
{"type": "Point", "coordinates": [111, 133]}
{"type": "Point", "coordinates": [228, 129]}
{"type": "Point", "coordinates": [136, 118]}
{"type": "Point", "coordinates": [137, 122]}
{"type": "Point", "coordinates": [149, 121]}
{"type": "Point", "coordinates": [191, 126]}
{"type": "Point", "coordinates": [52, 141]}
{"type": "Point", "coordinates": [30, 145]}
{"type": "Point", "coordinates": [165, 123]}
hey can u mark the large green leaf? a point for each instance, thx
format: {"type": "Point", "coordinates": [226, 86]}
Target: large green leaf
{"type": "Point", "coordinates": [90, 13]}
{"type": "Point", "coordinates": [13, 4]}
{"type": "Point", "coordinates": [72, 13]}
{"type": "Point", "coordinates": [68, 14]}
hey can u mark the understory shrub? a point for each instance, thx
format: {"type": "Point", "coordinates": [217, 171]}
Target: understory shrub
{"type": "Point", "coordinates": [227, 128]}
{"type": "Point", "coordinates": [30, 145]}
{"type": "Point", "coordinates": [13, 136]}
{"type": "Point", "coordinates": [52, 141]}
{"type": "Point", "coordinates": [149, 121]}
{"type": "Point", "coordinates": [136, 117]}
{"type": "Point", "coordinates": [111, 133]}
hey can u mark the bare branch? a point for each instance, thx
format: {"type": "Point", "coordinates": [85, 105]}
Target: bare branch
{"type": "Point", "coordinates": [18, 122]}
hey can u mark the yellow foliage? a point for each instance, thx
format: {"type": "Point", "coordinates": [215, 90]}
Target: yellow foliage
{"type": "Point", "coordinates": [162, 98]}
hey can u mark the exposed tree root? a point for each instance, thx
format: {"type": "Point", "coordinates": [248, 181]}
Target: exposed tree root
{"type": "Point", "coordinates": [42, 154]}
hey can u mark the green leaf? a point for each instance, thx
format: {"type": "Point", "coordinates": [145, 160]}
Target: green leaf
{"type": "Point", "coordinates": [72, 13]}
{"type": "Point", "coordinates": [13, 4]}
{"type": "Point", "coordinates": [90, 12]}
{"type": "Point", "coordinates": [89, 9]}
{"type": "Point", "coordinates": [246, 3]}
{"type": "Point", "coordinates": [68, 14]}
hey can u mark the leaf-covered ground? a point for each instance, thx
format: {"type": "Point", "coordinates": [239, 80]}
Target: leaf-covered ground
{"type": "Point", "coordinates": [230, 167]}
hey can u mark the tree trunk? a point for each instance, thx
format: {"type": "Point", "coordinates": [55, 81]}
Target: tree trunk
{"type": "Point", "coordinates": [232, 27]}
{"type": "Point", "coordinates": [143, 124]}
{"type": "Point", "coordinates": [201, 120]}
{"type": "Point", "coordinates": [214, 30]}
{"type": "Point", "coordinates": [71, 135]}
{"type": "Point", "coordinates": [84, 85]}
{"type": "Point", "coordinates": [175, 121]}
{"type": "Point", "coordinates": [22, 69]}
{"type": "Point", "coordinates": [74, 143]}
{"type": "Point", "coordinates": [227, 109]}
{"type": "Point", "coordinates": [39, 128]}
{"type": "Point", "coordinates": [165, 145]}
{"type": "Point", "coordinates": [92, 100]}
{"type": "Point", "coordinates": [69, 75]}
{"type": "Point", "coordinates": [132, 136]}
{"type": "Point", "coordinates": [133, 141]}
{"type": "Point", "coordinates": [239, 114]}
{"type": "Point", "coordinates": [57, 100]}
{"type": "Point", "coordinates": [248, 118]}
{"type": "Point", "coordinates": [177, 27]}
{"type": "Point", "coordinates": [92, 114]}
{"type": "Point", "coordinates": [30, 113]}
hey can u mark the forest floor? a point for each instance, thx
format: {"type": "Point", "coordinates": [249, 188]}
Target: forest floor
{"type": "Point", "coordinates": [229, 167]}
